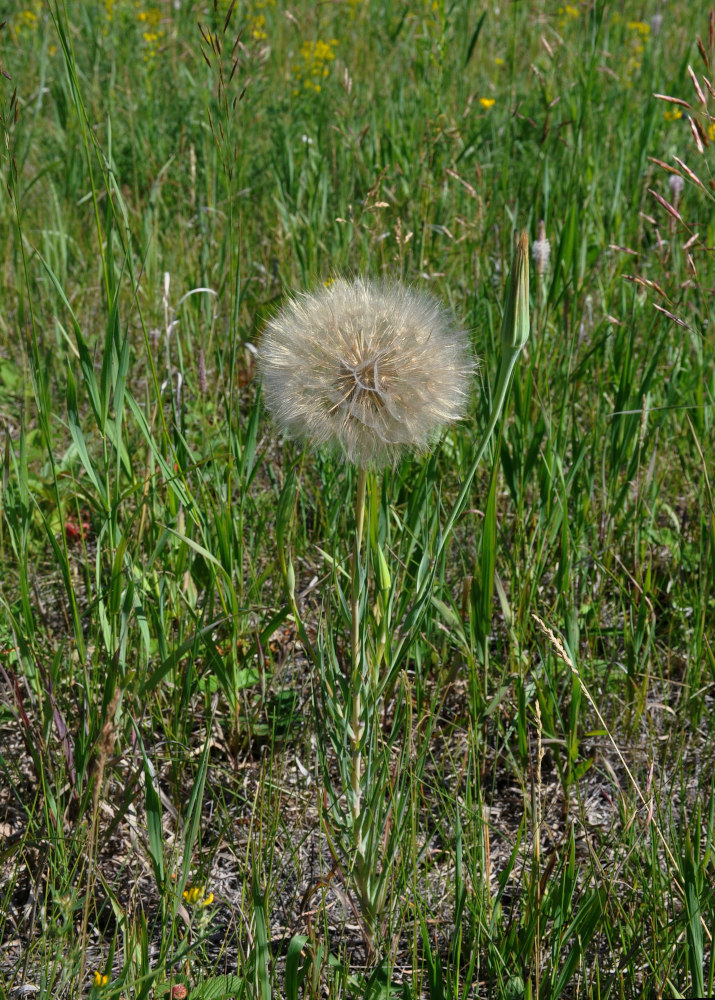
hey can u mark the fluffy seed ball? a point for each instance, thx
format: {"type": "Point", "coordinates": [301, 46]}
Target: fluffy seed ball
{"type": "Point", "coordinates": [369, 368]}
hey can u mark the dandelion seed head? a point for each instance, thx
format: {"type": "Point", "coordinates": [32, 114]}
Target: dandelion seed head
{"type": "Point", "coordinates": [676, 184]}
{"type": "Point", "coordinates": [370, 368]}
{"type": "Point", "coordinates": [541, 250]}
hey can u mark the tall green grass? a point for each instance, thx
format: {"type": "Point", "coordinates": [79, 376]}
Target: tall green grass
{"type": "Point", "coordinates": [170, 173]}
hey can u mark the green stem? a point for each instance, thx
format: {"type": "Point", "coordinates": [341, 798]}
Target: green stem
{"type": "Point", "coordinates": [288, 576]}
{"type": "Point", "coordinates": [514, 335]}
{"type": "Point", "coordinates": [356, 726]}
{"type": "Point", "coordinates": [508, 361]}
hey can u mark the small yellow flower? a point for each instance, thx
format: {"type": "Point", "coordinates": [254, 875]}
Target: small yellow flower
{"type": "Point", "coordinates": [487, 102]}
{"type": "Point", "coordinates": [711, 131]}
{"type": "Point", "coordinates": [498, 61]}
{"type": "Point", "coordinates": [640, 26]}
{"type": "Point", "coordinates": [315, 65]}
{"type": "Point", "coordinates": [672, 114]}
{"type": "Point", "coordinates": [193, 894]}
{"type": "Point", "coordinates": [150, 19]}
{"type": "Point", "coordinates": [25, 20]}
{"type": "Point", "coordinates": [100, 979]}
{"type": "Point", "coordinates": [258, 27]}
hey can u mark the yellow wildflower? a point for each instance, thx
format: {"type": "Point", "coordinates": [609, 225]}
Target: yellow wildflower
{"type": "Point", "coordinates": [100, 979]}
{"type": "Point", "coordinates": [672, 114]}
{"type": "Point", "coordinates": [150, 19]}
{"type": "Point", "coordinates": [26, 20]}
{"type": "Point", "coordinates": [315, 63]}
{"type": "Point", "coordinates": [640, 26]}
{"type": "Point", "coordinates": [257, 27]}
{"type": "Point", "coordinates": [193, 894]}
{"type": "Point", "coordinates": [487, 102]}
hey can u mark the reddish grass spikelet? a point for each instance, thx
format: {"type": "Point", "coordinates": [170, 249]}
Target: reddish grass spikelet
{"type": "Point", "coordinates": [688, 172]}
{"type": "Point", "coordinates": [673, 100]}
{"type": "Point", "coordinates": [701, 140]}
{"type": "Point", "coordinates": [696, 85]}
{"type": "Point", "coordinates": [670, 209]}
{"type": "Point", "coordinates": [670, 315]}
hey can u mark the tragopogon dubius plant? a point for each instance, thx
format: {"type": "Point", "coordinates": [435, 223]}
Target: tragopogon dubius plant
{"type": "Point", "coordinates": [373, 369]}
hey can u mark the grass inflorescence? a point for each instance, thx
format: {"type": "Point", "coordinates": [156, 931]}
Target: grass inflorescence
{"type": "Point", "coordinates": [459, 745]}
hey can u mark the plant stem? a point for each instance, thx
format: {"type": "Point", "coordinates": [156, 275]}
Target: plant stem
{"type": "Point", "coordinates": [508, 361]}
{"type": "Point", "coordinates": [356, 727]}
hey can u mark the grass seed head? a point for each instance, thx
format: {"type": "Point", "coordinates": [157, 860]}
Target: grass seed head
{"type": "Point", "coordinates": [370, 368]}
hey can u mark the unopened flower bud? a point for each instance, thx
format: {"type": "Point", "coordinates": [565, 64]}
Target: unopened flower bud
{"type": "Point", "coordinates": [383, 572]}
{"type": "Point", "coordinates": [515, 324]}
{"type": "Point", "coordinates": [290, 578]}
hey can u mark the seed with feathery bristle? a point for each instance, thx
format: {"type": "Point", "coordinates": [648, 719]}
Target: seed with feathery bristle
{"type": "Point", "coordinates": [541, 250]}
{"type": "Point", "coordinates": [372, 368]}
{"type": "Point", "coordinates": [676, 184]}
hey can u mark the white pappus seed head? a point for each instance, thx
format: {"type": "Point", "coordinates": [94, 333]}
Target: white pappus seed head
{"type": "Point", "coordinates": [676, 184]}
{"type": "Point", "coordinates": [541, 251]}
{"type": "Point", "coordinates": [370, 368]}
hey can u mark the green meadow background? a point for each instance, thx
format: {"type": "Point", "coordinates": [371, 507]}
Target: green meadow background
{"type": "Point", "coordinates": [170, 173]}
